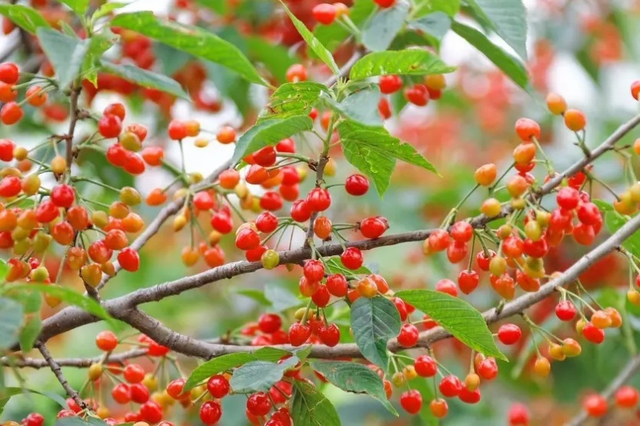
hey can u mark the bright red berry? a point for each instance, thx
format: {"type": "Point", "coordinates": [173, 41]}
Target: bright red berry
{"type": "Point", "coordinates": [411, 400]}
{"type": "Point", "coordinates": [509, 334]}
{"type": "Point", "coordinates": [210, 412]}
{"type": "Point", "coordinates": [356, 185]}
{"type": "Point", "coordinates": [450, 386]}
{"type": "Point", "coordinates": [426, 366]}
{"type": "Point", "coordinates": [566, 310]}
{"type": "Point", "coordinates": [259, 404]}
{"type": "Point", "coordinates": [324, 13]}
{"type": "Point", "coordinates": [408, 336]}
{"type": "Point", "coordinates": [218, 386]}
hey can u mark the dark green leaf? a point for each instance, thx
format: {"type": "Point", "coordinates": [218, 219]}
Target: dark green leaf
{"type": "Point", "coordinates": [374, 152]}
{"type": "Point", "coordinates": [216, 366]}
{"type": "Point", "coordinates": [399, 62]}
{"type": "Point", "coordinates": [313, 42]}
{"type": "Point", "coordinates": [30, 332]}
{"type": "Point", "coordinates": [508, 18]}
{"type": "Point", "coordinates": [281, 299]}
{"type": "Point", "coordinates": [360, 106]}
{"type": "Point", "coordinates": [374, 321]}
{"type": "Point", "coordinates": [276, 58]}
{"type": "Point", "coordinates": [384, 26]}
{"type": "Point", "coordinates": [293, 99]}
{"type": "Point", "coordinates": [354, 377]}
{"type": "Point", "coordinates": [270, 132]}
{"type": "Point", "coordinates": [436, 24]}
{"type": "Point", "coordinates": [78, 6]}
{"type": "Point", "coordinates": [259, 376]}
{"type": "Point", "coordinates": [456, 316]}
{"type": "Point", "coordinates": [66, 54]}
{"type": "Point", "coordinates": [10, 319]}
{"type": "Point", "coordinates": [309, 407]}
{"type": "Point", "coordinates": [25, 17]}
{"type": "Point", "coordinates": [190, 39]}
{"type": "Point", "coordinates": [511, 66]}
{"type": "Point", "coordinates": [172, 59]}
{"type": "Point", "coordinates": [270, 354]}
{"type": "Point", "coordinates": [144, 78]}
{"type": "Point", "coordinates": [69, 296]}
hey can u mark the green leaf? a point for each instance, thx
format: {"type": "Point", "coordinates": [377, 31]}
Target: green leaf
{"type": "Point", "coordinates": [190, 39]}
{"type": "Point", "coordinates": [78, 6]}
{"type": "Point", "coordinates": [374, 321]}
{"type": "Point", "coordinates": [77, 421]}
{"type": "Point", "coordinates": [270, 132]}
{"type": "Point", "coordinates": [309, 407]}
{"type": "Point", "coordinates": [30, 333]}
{"type": "Point", "coordinates": [98, 44]}
{"type": "Point", "coordinates": [146, 78]}
{"type": "Point", "coordinates": [25, 17]}
{"type": "Point", "coordinates": [216, 366]}
{"type": "Point", "coordinates": [603, 206]}
{"type": "Point", "coordinates": [354, 377]}
{"type": "Point", "coordinates": [7, 392]}
{"type": "Point", "coordinates": [508, 18]}
{"type": "Point", "coordinates": [335, 266]}
{"type": "Point", "coordinates": [275, 57]}
{"type": "Point", "coordinates": [360, 106]}
{"type": "Point", "coordinates": [66, 54]}
{"type": "Point", "coordinates": [450, 7]}
{"type": "Point", "coordinates": [399, 62]}
{"type": "Point", "coordinates": [614, 222]}
{"type": "Point", "coordinates": [313, 42]}
{"type": "Point", "coordinates": [230, 85]}
{"type": "Point", "coordinates": [257, 295]}
{"type": "Point", "coordinates": [456, 316]}
{"type": "Point", "coordinates": [10, 320]}
{"type": "Point", "coordinates": [270, 354]}
{"type": "Point", "coordinates": [106, 9]}
{"type": "Point", "coordinates": [292, 99]}
{"type": "Point", "coordinates": [384, 26]}
{"type": "Point", "coordinates": [436, 24]}
{"type": "Point", "coordinates": [69, 296]}
{"type": "Point", "coordinates": [3, 269]}
{"type": "Point", "coordinates": [259, 376]}
{"type": "Point", "coordinates": [281, 299]}
{"type": "Point", "coordinates": [374, 152]}
{"type": "Point", "coordinates": [511, 66]}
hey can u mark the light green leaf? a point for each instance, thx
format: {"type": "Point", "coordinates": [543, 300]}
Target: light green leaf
{"type": "Point", "coordinates": [354, 377]}
{"type": "Point", "coordinates": [335, 266]}
{"type": "Point", "coordinates": [436, 24]}
{"type": "Point", "coordinates": [313, 42]}
{"type": "Point", "coordinates": [384, 26]}
{"type": "Point", "coordinates": [69, 296]}
{"type": "Point", "coordinates": [603, 206]}
{"type": "Point", "coordinates": [30, 332]}
{"type": "Point", "coordinates": [276, 58]}
{"type": "Point", "coordinates": [66, 54]}
{"type": "Point", "coordinates": [25, 17]}
{"type": "Point", "coordinates": [270, 132]}
{"type": "Point", "coordinates": [106, 9]}
{"type": "Point", "coordinates": [144, 78]}
{"type": "Point", "coordinates": [190, 39]}
{"type": "Point", "coordinates": [281, 299]}
{"type": "Point", "coordinates": [309, 407]}
{"type": "Point", "coordinates": [374, 152]}
{"type": "Point", "coordinates": [3, 269]}
{"type": "Point", "coordinates": [259, 376]}
{"type": "Point", "coordinates": [614, 222]}
{"type": "Point", "coordinates": [216, 366]}
{"type": "Point", "coordinates": [456, 316]}
{"type": "Point", "coordinates": [399, 62]}
{"type": "Point", "coordinates": [10, 320]}
{"type": "Point", "coordinates": [374, 321]}
{"type": "Point", "coordinates": [511, 66]}
{"type": "Point", "coordinates": [270, 354]}
{"type": "Point", "coordinates": [360, 106]}
{"type": "Point", "coordinates": [98, 45]}
{"type": "Point", "coordinates": [292, 99]}
{"type": "Point", "coordinates": [508, 18]}
{"type": "Point", "coordinates": [450, 7]}
{"type": "Point", "coordinates": [78, 6]}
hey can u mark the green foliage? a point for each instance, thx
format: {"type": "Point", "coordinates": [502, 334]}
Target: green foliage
{"type": "Point", "coordinates": [78, 6]}
{"type": "Point", "coordinates": [259, 376]}
{"type": "Point", "coordinates": [291, 99]}
{"type": "Point", "coordinates": [25, 17]}
{"type": "Point", "coordinates": [10, 320]}
{"type": "Point", "coordinates": [384, 26]}
{"type": "Point", "coordinates": [360, 106]}
{"type": "Point", "coordinates": [66, 54]}
{"type": "Point", "coordinates": [398, 62]}
{"type": "Point", "coordinates": [309, 407]}
{"type": "Point", "coordinates": [144, 78]}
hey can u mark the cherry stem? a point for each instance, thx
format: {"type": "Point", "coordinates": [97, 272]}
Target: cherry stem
{"type": "Point", "coordinates": [591, 176]}
{"type": "Point", "coordinates": [492, 188]}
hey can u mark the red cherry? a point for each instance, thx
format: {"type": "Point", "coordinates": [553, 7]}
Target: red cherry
{"type": "Point", "coordinates": [46, 212]}
{"type": "Point", "coordinates": [484, 260]}
{"type": "Point", "coordinates": [595, 405]}
{"type": "Point", "coordinates": [151, 412]}
{"type": "Point", "coordinates": [439, 240]}
{"type": "Point", "coordinates": [121, 393]}
{"type": "Point", "coordinates": [456, 252]}
{"type": "Point", "coordinates": [518, 415]}
{"type": "Point", "coordinates": [469, 397]}
{"type": "Point", "coordinates": [129, 259]}
{"type": "Point", "coordinates": [593, 333]}
{"type": "Point", "coordinates": [329, 334]}
{"type": "Point", "coordinates": [487, 369]}
{"type": "Point", "coordinates": [177, 130]}
{"type": "Point", "coordinates": [324, 13]}
{"type": "Point", "coordinates": [509, 334]}
{"type": "Point", "coordinates": [175, 388]}
{"type": "Point", "coordinates": [247, 239]}
{"type": "Point", "coordinates": [352, 258]}
{"type": "Point", "coordinates": [299, 333]}
{"type": "Point", "coordinates": [106, 341]}
{"type": "Point", "coordinates": [33, 419]}
{"type": "Point", "coordinates": [271, 201]}
{"type": "Point", "coordinates": [10, 186]}
{"type": "Point", "coordinates": [203, 201]}
{"type": "Point", "coordinates": [450, 386]}
{"type": "Point", "coordinates": [266, 222]}
{"type": "Point", "coordinates": [6, 149]}
{"type": "Point", "coordinates": [287, 145]}
{"type": "Point", "coordinates": [218, 386]}
{"type": "Point", "coordinates": [408, 336]}
{"type": "Point", "coordinates": [133, 373]}
{"type": "Point", "coordinates": [269, 323]}
{"type": "Point", "coordinates": [447, 286]}
{"type": "Point", "coordinates": [568, 198]}
{"type": "Point", "coordinates": [417, 94]}
{"type": "Point", "coordinates": [373, 227]}
{"type": "Point", "coordinates": [390, 84]}
{"type": "Point", "coordinates": [337, 285]}
{"type": "Point", "coordinates": [259, 404]}
{"type": "Point", "coordinates": [314, 270]}
{"type": "Point", "coordinates": [63, 195]}
{"type": "Point", "coordinates": [110, 126]}
{"type": "Point", "coordinates": [265, 157]}
{"type": "Point", "coordinates": [11, 113]}
{"type": "Point", "coordinates": [139, 393]}
{"type": "Point", "coordinates": [566, 310]}
{"type": "Point", "coordinates": [627, 397]}
{"type": "Point", "coordinates": [9, 73]}
{"type": "Point", "coordinates": [319, 200]}
{"type": "Point", "coordinates": [461, 231]}
{"type": "Point", "coordinates": [321, 297]}
{"type": "Point", "coordinates": [527, 129]}
{"type": "Point", "coordinates": [356, 185]}
{"type": "Point", "coordinates": [210, 412]}
{"type": "Point", "coordinates": [468, 281]}
{"type": "Point", "coordinates": [300, 211]}
{"type": "Point", "coordinates": [296, 73]}
{"type": "Point", "coordinates": [426, 366]}
{"type": "Point", "coordinates": [401, 307]}
{"type": "Point", "coordinates": [117, 155]}
{"type": "Point", "coordinates": [222, 222]}
{"type": "Point", "coordinates": [411, 400]}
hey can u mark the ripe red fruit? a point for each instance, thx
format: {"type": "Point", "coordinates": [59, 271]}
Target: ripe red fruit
{"type": "Point", "coordinates": [218, 386]}
{"type": "Point", "coordinates": [456, 252]}
{"type": "Point", "coordinates": [174, 389]}
{"type": "Point", "coordinates": [439, 240]}
{"type": "Point", "coordinates": [300, 211]}
{"type": "Point", "coordinates": [390, 84]}
{"type": "Point", "coordinates": [266, 222]}
{"type": "Point", "coordinates": [63, 195]}
{"type": "Point", "coordinates": [593, 333]}
{"type": "Point", "coordinates": [595, 405]}
{"type": "Point", "coordinates": [269, 323]}
{"type": "Point", "coordinates": [151, 412]}
{"type": "Point", "coordinates": [129, 259]}
{"type": "Point", "coordinates": [321, 297]}
{"type": "Point", "coordinates": [324, 13]}
{"type": "Point", "coordinates": [450, 386]}
{"type": "Point", "coordinates": [352, 258]}
{"type": "Point", "coordinates": [110, 126]}
{"type": "Point", "coordinates": [461, 231]}
{"type": "Point", "coordinates": [470, 397]}
{"type": "Point", "coordinates": [518, 415]}
{"type": "Point", "coordinates": [9, 73]}
{"type": "Point", "coordinates": [10, 186]}
{"type": "Point", "coordinates": [296, 73]}
{"type": "Point", "coordinates": [329, 334]}
{"type": "Point", "coordinates": [210, 412]}
{"type": "Point", "coordinates": [487, 369]}
{"type": "Point", "coordinates": [271, 201]}
{"type": "Point", "coordinates": [222, 222]}
{"type": "Point", "coordinates": [177, 130]}
{"type": "Point", "coordinates": [314, 270]}
{"type": "Point", "coordinates": [6, 149]}
{"type": "Point", "coordinates": [408, 336]}
{"type": "Point", "coordinates": [356, 185]}
{"type": "Point", "coordinates": [298, 333]}
{"type": "Point", "coordinates": [106, 341]}
{"type": "Point", "coordinates": [566, 310]}
{"type": "Point", "coordinates": [509, 334]}
{"type": "Point", "coordinates": [33, 419]}
{"type": "Point", "coordinates": [417, 94]}
{"type": "Point", "coordinates": [411, 400]}
{"type": "Point", "coordinates": [259, 404]}
{"type": "Point", "coordinates": [527, 129]}
{"type": "Point", "coordinates": [133, 373]}
{"type": "Point", "coordinates": [318, 200]}
{"type": "Point", "coordinates": [484, 260]}
{"type": "Point", "coordinates": [265, 157]}
{"type": "Point", "coordinates": [468, 281]}
{"type": "Point", "coordinates": [447, 286]}
{"type": "Point", "coordinates": [373, 227]}
{"type": "Point", "coordinates": [139, 393]}
{"type": "Point", "coordinates": [426, 366]}
{"type": "Point", "coordinates": [247, 239]}
{"type": "Point", "coordinates": [337, 285]}
{"type": "Point", "coordinates": [627, 397]}
{"type": "Point", "coordinates": [11, 113]}
{"type": "Point", "coordinates": [46, 212]}
{"type": "Point", "coordinates": [121, 393]}
{"type": "Point", "coordinates": [568, 198]}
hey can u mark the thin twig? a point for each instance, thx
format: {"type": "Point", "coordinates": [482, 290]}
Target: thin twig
{"type": "Point", "coordinates": [73, 362]}
{"type": "Point", "coordinates": [55, 367]}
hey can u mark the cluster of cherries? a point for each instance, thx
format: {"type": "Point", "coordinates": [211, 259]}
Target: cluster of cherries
{"type": "Point", "coordinates": [36, 95]}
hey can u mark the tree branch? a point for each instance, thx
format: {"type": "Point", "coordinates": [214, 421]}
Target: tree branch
{"type": "Point", "coordinates": [73, 362]}
{"type": "Point", "coordinates": [60, 376]}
